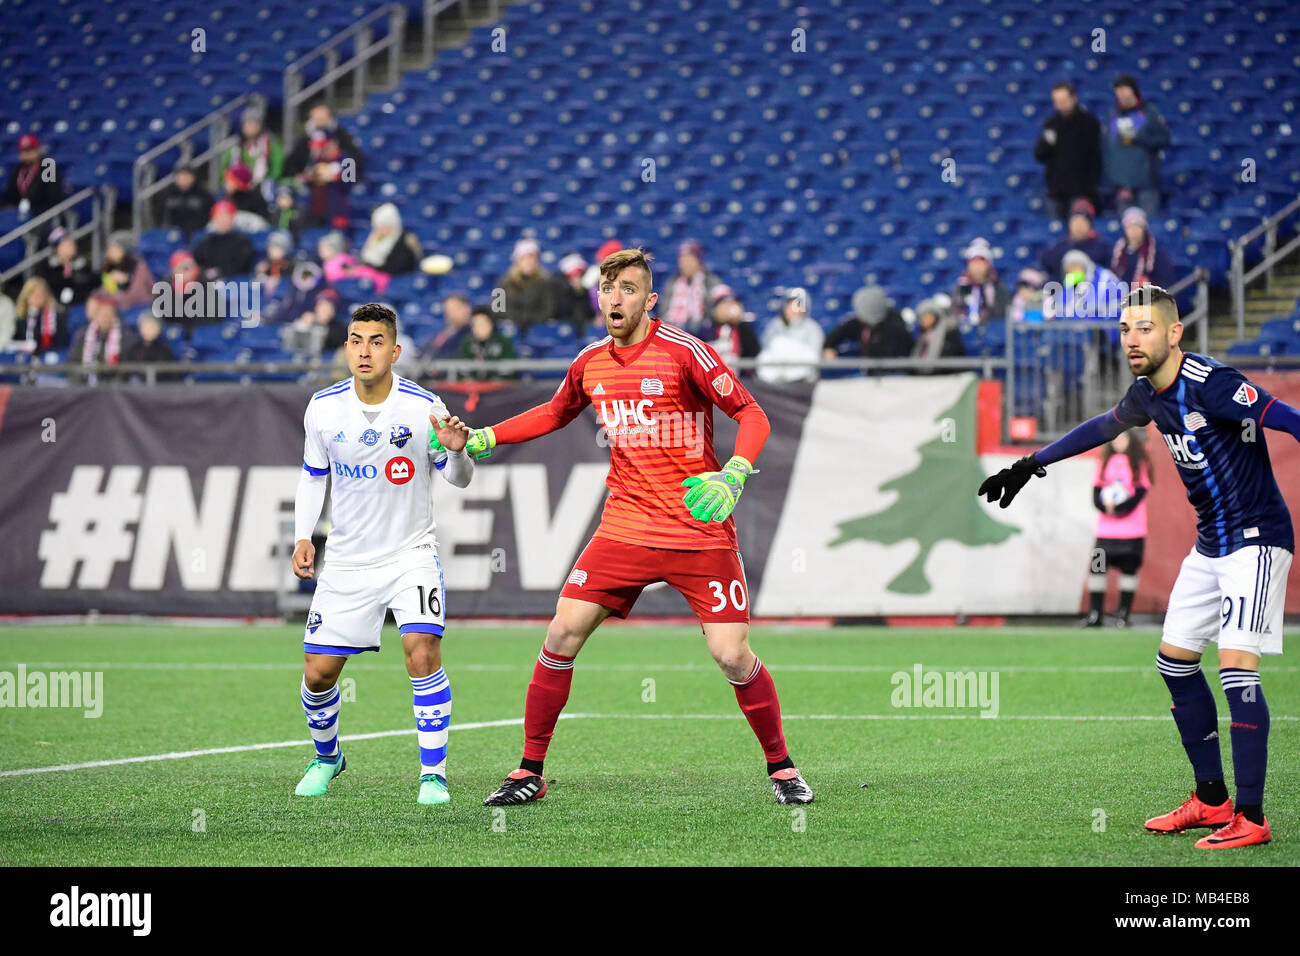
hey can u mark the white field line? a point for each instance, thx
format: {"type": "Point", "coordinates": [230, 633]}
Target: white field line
{"type": "Point", "coordinates": [633, 668]}
{"type": "Point", "coordinates": [517, 721]}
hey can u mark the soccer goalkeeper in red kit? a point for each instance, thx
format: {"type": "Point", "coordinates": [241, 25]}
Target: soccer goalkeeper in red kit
{"type": "Point", "coordinates": [653, 387]}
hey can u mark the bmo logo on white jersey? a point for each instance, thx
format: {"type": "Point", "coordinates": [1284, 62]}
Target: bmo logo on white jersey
{"type": "Point", "coordinates": [626, 412]}
{"type": "Point", "coordinates": [399, 470]}
{"type": "Point", "coordinates": [1187, 454]}
{"type": "Point", "coordinates": [343, 470]}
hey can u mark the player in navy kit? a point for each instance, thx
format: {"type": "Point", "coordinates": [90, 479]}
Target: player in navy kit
{"type": "Point", "coordinates": [1231, 588]}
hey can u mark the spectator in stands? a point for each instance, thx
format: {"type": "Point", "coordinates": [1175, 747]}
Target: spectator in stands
{"type": "Point", "coordinates": [70, 277]}
{"type": "Point", "coordinates": [184, 204]}
{"type": "Point", "coordinates": [731, 332]}
{"type": "Point", "coordinates": [278, 264]}
{"type": "Point", "coordinates": [1135, 134]}
{"type": "Point", "coordinates": [257, 151]}
{"type": "Point", "coordinates": [1079, 234]}
{"type": "Point", "coordinates": [252, 214]}
{"type": "Point", "coordinates": [40, 322]}
{"type": "Point", "coordinates": [791, 337]}
{"type": "Point", "coordinates": [979, 296]}
{"type": "Point", "coordinates": [124, 275]}
{"type": "Point", "coordinates": [151, 345]}
{"type": "Point", "coordinates": [339, 264]}
{"type": "Point", "coordinates": [1027, 303]}
{"type": "Point", "coordinates": [317, 331]}
{"type": "Point", "coordinates": [688, 292]}
{"type": "Point", "coordinates": [875, 330]}
{"type": "Point", "coordinates": [575, 302]}
{"type": "Point", "coordinates": [104, 340]}
{"type": "Point", "coordinates": [285, 213]}
{"type": "Point", "coordinates": [937, 335]}
{"type": "Point", "coordinates": [223, 252]}
{"type": "Point", "coordinates": [1137, 259]}
{"type": "Point", "coordinates": [34, 185]}
{"type": "Point", "coordinates": [1069, 147]}
{"type": "Point", "coordinates": [530, 291]}
{"type": "Point", "coordinates": [1091, 291]}
{"type": "Point", "coordinates": [389, 248]}
{"type": "Point", "coordinates": [327, 162]}
{"type": "Point", "coordinates": [485, 343]}
{"type": "Point", "coordinates": [456, 313]}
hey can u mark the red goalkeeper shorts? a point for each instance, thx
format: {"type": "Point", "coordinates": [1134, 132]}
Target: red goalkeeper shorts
{"type": "Point", "coordinates": [613, 574]}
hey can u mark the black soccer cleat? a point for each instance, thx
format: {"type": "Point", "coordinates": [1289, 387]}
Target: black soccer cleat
{"type": "Point", "coordinates": [522, 786]}
{"type": "Point", "coordinates": [790, 787]}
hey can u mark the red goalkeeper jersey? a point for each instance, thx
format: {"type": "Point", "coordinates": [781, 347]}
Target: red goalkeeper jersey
{"type": "Point", "coordinates": [655, 402]}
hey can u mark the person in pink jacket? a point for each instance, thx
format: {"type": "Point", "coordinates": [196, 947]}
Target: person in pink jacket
{"type": "Point", "coordinates": [1123, 480]}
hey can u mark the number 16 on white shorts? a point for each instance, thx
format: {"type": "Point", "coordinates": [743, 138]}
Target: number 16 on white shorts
{"type": "Point", "coordinates": [347, 613]}
{"type": "Point", "coordinates": [1237, 600]}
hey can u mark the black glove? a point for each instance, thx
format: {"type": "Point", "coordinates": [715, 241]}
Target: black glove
{"type": "Point", "coordinates": [1006, 484]}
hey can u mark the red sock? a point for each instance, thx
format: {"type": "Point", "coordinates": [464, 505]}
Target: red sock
{"type": "Point", "coordinates": [758, 701]}
{"type": "Point", "coordinates": [548, 692]}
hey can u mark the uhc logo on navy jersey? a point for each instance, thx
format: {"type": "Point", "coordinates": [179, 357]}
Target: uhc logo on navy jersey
{"type": "Point", "coordinates": [370, 438]}
{"type": "Point", "coordinates": [1187, 454]}
{"type": "Point", "coordinates": [399, 435]}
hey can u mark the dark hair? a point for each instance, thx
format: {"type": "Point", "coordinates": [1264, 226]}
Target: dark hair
{"type": "Point", "coordinates": [1124, 79]}
{"type": "Point", "coordinates": [483, 310]}
{"type": "Point", "coordinates": [376, 312]}
{"type": "Point", "coordinates": [1064, 85]}
{"type": "Point", "coordinates": [616, 262]}
{"type": "Point", "coordinates": [1154, 296]}
{"type": "Point", "coordinates": [1136, 455]}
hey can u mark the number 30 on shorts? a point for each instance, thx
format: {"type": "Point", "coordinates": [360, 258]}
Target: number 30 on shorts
{"type": "Point", "coordinates": [735, 591]}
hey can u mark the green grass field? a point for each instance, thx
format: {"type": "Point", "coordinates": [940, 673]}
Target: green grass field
{"type": "Point", "coordinates": [1083, 728]}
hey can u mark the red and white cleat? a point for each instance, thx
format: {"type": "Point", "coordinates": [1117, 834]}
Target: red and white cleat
{"type": "Point", "coordinates": [1193, 813]}
{"type": "Point", "coordinates": [1240, 832]}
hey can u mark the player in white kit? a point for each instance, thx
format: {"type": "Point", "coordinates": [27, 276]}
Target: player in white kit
{"type": "Point", "coordinates": [371, 436]}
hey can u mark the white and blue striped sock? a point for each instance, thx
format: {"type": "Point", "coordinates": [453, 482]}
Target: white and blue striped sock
{"type": "Point", "coordinates": [322, 710]}
{"type": "Point", "coordinates": [432, 704]}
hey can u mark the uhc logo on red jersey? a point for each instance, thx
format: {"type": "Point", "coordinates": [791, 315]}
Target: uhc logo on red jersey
{"type": "Point", "coordinates": [1246, 395]}
{"type": "Point", "coordinates": [723, 384]}
{"type": "Point", "coordinates": [399, 470]}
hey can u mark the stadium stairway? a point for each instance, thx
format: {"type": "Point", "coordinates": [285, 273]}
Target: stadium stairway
{"type": "Point", "coordinates": [1272, 325]}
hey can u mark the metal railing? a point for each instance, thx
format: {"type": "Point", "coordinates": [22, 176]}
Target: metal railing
{"type": "Point", "coordinates": [366, 48]}
{"type": "Point", "coordinates": [221, 135]}
{"type": "Point", "coordinates": [1239, 277]}
{"type": "Point", "coordinates": [459, 371]}
{"type": "Point", "coordinates": [102, 199]}
{"type": "Point", "coordinates": [1075, 367]}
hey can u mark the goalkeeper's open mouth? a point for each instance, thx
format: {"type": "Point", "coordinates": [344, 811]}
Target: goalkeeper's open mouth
{"type": "Point", "coordinates": [616, 318]}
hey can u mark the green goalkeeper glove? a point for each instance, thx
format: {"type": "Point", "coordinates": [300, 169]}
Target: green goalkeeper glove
{"type": "Point", "coordinates": [713, 495]}
{"type": "Point", "coordinates": [434, 444]}
{"type": "Point", "coordinates": [481, 442]}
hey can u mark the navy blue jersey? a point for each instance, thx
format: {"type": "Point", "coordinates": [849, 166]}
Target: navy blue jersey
{"type": "Point", "coordinates": [1210, 419]}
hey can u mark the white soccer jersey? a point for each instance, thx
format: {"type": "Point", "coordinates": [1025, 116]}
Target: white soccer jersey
{"type": "Point", "coordinates": [381, 471]}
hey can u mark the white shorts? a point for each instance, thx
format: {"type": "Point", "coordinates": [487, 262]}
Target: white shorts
{"type": "Point", "coordinates": [347, 613]}
{"type": "Point", "coordinates": [1237, 600]}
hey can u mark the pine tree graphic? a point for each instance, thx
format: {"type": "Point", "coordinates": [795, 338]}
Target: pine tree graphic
{"type": "Point", "coordinates": [936, 502]}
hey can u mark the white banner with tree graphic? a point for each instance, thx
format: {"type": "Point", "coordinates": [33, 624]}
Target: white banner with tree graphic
{"type": "Point", "coordinates": [881, 516]}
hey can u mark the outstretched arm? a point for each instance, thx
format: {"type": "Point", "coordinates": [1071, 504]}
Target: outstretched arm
{"type": "Point", "coordinates": [1081, 438]}
{"type": "Point", "coordinates": [565, 405]}
{"type": "Point", "coordinates": [1281, 417]}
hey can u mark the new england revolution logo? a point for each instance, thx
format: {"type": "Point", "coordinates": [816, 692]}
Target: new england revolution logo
{"type": "Point", "coordinates": [369, 438]}
{"type": "Point", "coordinates": [313, 621]}
{"type": "Point", "coordinates": [399, 435]}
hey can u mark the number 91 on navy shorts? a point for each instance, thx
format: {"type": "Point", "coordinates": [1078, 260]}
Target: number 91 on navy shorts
{"type": "Point", "coordinates": [348, 610]}
{"type": "Point", "coordinates": [613, 574]}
